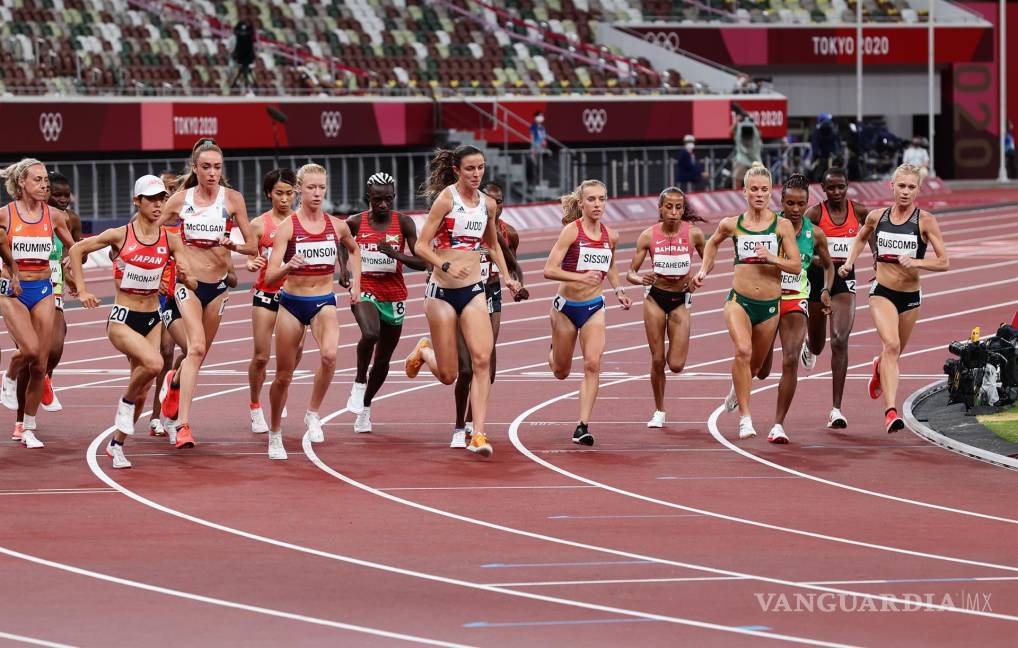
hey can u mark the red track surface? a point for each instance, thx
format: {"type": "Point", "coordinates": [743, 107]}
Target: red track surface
{"type": "Point", "coordinates": [652, 537]}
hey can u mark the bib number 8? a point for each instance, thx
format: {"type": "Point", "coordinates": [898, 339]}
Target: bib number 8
{"type": "Point", "coordinates": [119, 314]}
{"type": "Point", "coordinates": [400, 308]}
{"type": "Point", "coordinates": [5, 287]}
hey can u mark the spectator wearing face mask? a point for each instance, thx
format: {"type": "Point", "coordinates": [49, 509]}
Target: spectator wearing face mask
{"type": "Point", "coordinates": [538, 146]}
{"type": "Point", "coordinates": [689, 173]}
{"type": "Point", "coordinates": [917, 156]}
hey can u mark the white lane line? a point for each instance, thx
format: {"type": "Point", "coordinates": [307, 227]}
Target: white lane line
{"type": "Point", "coordinates": [33, 641]}
{"type": "Point", "coordinates": [709, 579]}
{"type": "Point", "coordinates": [221, 602]}
{"type": "Point", "coordinates": [481, 488]}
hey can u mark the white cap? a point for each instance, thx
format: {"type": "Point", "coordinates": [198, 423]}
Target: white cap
{"type": "Point", "coordinates": [149, 185]}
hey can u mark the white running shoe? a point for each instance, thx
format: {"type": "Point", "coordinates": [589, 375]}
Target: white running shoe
{"type": "Point", "coordinates": [837, 419]}
{"type": "Point", "coordinates": [468, 430]}
{"type": "Point", "coordinates": [258, 424]}
{"type": "Point", "coordinates": [746, 430]}
{"type": "Point", "coordinates": [356, 401]}
{"type": "Point", "coordinates": [155, 428]}
{"type": "Point", "coordinates": [9, 393]}
{"type": "Point", "coordinates": [731, 402]}
{"type": "Point", "coordinates": [124, 421]}
{"type": "Point", "coordinates": [117, 453]}
{"type": "Point", "coordinates": [276, 449]}
{"type": "Point", "coordinates": [363, 423]}
{"type": "Point", "coordinates": [806, 357]}
{"type": "Point", "coordinates": [285, 413]}
{"type": "Point", "coordinates": [29, 440]}
{"type": "Point", "coordinates": [314, 425]}
{"type": "Point", "coordinates": [658, 420]}
{"type": "Point", "coordinates": [777, 434]}
{"type": "Point", "coordinates": [170, 425]}
{"type": "Point", "coordinates": [459, 439]}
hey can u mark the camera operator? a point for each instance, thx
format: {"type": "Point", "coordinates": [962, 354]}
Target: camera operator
{"type": "Point", "coordinates": [747, 144]}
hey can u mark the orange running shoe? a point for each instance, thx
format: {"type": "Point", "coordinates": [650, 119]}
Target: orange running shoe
{"type": "Point", "coordinates": [891, 421]}
{"type": "Point", "coordinates": [47, 391]}
{"type": "Point", "coordinates": [170, 396]}
{"type": "Point", "coordinates": [184, 438]}
{"type": "Point", "coordinates": [18, 429]}
{"type": "Point", "coordinates": [874, 385]}
{"type": "Point", "coordinates": [414, 361]}
{"type": "Point", "coordinates": [479, 444]}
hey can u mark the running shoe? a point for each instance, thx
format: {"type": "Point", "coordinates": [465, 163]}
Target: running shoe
{"type": "Point", "coordinates": [258, 424]}
{"type": "Point", "coordinates": [479, 445]}
{"type": "Point", "coordinates": [49, 401]}
{"type": "Point", "coordinates": [731, 402]}
{"type": "Point", "coordinates": [468, 430]}
{"type": "Point", "coordinates": [18, 429]}
{"type": "Point", "coordinates": [459, 439]}
{"type": "Point", "coordinates": [314, 425]}
{"type": "Point", "coordinates": [363, 423]}
{"type": "Point", "coordinates": [746, 430]}
{"type": "Point", "coordinates": [9, 393]}
{"type": "Point", "coordinates": [183, 438]}
{"type": "Point", "coordinates": [892, 423]}
{"type": "Point", "coordinates": [171, 432]}
{"type": "Point", "coordinates": [116, 452]}
{"type": "Point", "coordinates": [29, 440]}
{"type": "Point", "coordinates": [414, 361]}
{"type": "Point", "coordinates": [285, 413]}
{"type": "Point", "coordinates": [837, 420]}
{"type": "Point", "coordinates": [276, 450]}
{"type": "Point", "coordinates": [169, 396]}
{"type": "Point", "coordinates": [356, 401]}
{"type": "Point", "coordinates": [124, 420]}
{"type": "Point", "coordinates": [658, 420]}
{"type": "Point", "coordinates": [807, 358]}
{"type": "Point", "coordinates": [583, 436]}
{"type": "Point", "coordinates": [874, 384]}
{"type": "Point", "coordinates": [777, 434]}
{"type": "Point", "coordinates": [155, 428]}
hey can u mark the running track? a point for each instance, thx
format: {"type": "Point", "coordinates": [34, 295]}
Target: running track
{"type": "Point", "coordinates": [681, 536]}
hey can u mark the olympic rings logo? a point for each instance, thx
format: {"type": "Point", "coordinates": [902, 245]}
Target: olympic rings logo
{"type": "Point", "coordinates": [667, 40]}
{"type": "Point", "coordinates": [595, 119]}
{"type": "Point", "coordinates": [332, 121]}
{"type": "Point", "coordinates": [50, 125]}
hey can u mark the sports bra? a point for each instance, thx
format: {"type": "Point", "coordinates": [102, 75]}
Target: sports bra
{"type": "Point", "coordinates": [895, 240]}
{"type": "Point", "coordinates": [746, 241]}
{"type": "Point", "coordinates": [463, 227]}
{"type": "Point", "coordinates": [31, 243]}
{"type": "Point", "coordinates": [138, 267]}
{"type": "Point", "coordinates": [839, 237]}
{"type": "Point", "coordinates": [586, 253]}
{"type": "Point", "coordinates": [670, 255]}
{"type": "Point", "coordinates": [319, 250]}
{"type": "Point", "coordinates": [203, 226]}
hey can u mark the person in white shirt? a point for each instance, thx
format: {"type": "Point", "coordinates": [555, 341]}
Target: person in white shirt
{"type": "Point", "coordinates": [918, 157]}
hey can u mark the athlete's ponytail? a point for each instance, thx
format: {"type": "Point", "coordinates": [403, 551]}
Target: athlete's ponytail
{"type": "Point", "coordinates": [442, 169]}
{"type": "Point", "coordinates": [571, 202]}
{"type": "Point", "coordinates": [687, 210]}
{"type": "Point", "coordinates": [190, 178]}
{"type": "Point", "coordinates": [15, 173]}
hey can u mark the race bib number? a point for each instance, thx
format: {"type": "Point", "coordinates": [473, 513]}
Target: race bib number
{"type": "Point", "coordinates": [558, 303]}
{"type": "Point", "coordinates": [167, 317]}
{"type": "Point", "coordinates": [431, 290]}
{"type": "Point", "coordinates": [222, 306]}
{"type": "Point", "coordinates": [322, 253]}
{"type": "Point", "coordinates": [671, 265]}
{"type": "Point", "coordinates": [205, 227]}
{"type": "Point", "coordinates": [5, 287]}
{"type": "Point", "coordinates": [469, 226]}
{"type": "Point", "coordinates": [181, 293]}
{"type": "Point", "coordinates": [372, 261]}
{"type": "Point", "coordinates": [891, 245]}
{"type": "Point", "coordinates": [58, 302]}
{"type": "Point", "coordinates": [119, 314]}
{"type": "Point", "coordinates": [838, 247]}
{"type": "Point", "coordinates": [485, 267]}
{"type": "Point", "coordinates": [399, 308]}
{"type": "Point", "coordinates": [791, 283]}
{"type": "Point", "coordinates": [592, 258]}
{"type": "Point", "coordinates": [56, 272]}
{"type": "Point", "coordinates": [746, 248]}
{"type": "Point", "coordinates": [34, 248]}
{"type": "Point", "coordinates": [136, 278]}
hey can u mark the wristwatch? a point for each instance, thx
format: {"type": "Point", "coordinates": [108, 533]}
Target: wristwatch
{"type": "Point", "coordinates": [445, 266]}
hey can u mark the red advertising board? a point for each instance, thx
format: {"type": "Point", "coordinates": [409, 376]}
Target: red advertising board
{"type": "Point", "coordinates": [38, 128]}
{"type": "Point", "coordinates": [794, 46]}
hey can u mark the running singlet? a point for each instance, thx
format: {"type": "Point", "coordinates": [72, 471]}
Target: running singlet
{"type": "Point", "coordinates": [489, 269]}
{"type": "Point", "coordinates": [203, 226]}
{"type": "Point", "coordinates": [839, 237]}
{"type": "Point", "coordinates": [670, 255]}
{"type": "Point", "coordinates": [586, 253]}
{"type": "Point", "coordinates": [319, 250]}
{"type": "Point", "coordinates": [463, 227]}
{"type": "Point", "coordinates": [746, 241]}
{"type": "Point", "coordinates": [895, 240]}
{"type": "Point", "coordinates": [139, 266]}
{"type": "Point", "coordinates": [56, 270]}
{"type": "Point", "coordinates": [169, 279]}
{"type": "Point", "coordinates": [31, 243]}
{"type": "Point", "coordinates": [269, 228]}
{"type": "Point", "coordinates": [381, 275]}
{"type": "Point", "coordinates": [796, 286]}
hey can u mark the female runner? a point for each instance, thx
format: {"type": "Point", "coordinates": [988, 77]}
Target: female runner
{"type": "Point", "coordinates": [141, 250]}
{"type": "Point", "coordinates": [583, 256]}
{"type": "Point", "coordinates": [670, 243]}
{"type": "Point", "coordinates": [764, 248]}
{"type": "Point", "coordinates": [304, 254]}
{"type": "Point", "coordinates": [460, 222]}
{"type": "Point", "coordinates": [381, 234]}
{"type": "Point", "coordinates": [30, 224]}
{"type": "Point", "coordinates": [903, 232]}
{"type": "Point", "coordinates": [795, 288]}
{"type": "Point", "coordinates": [205, 205]}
